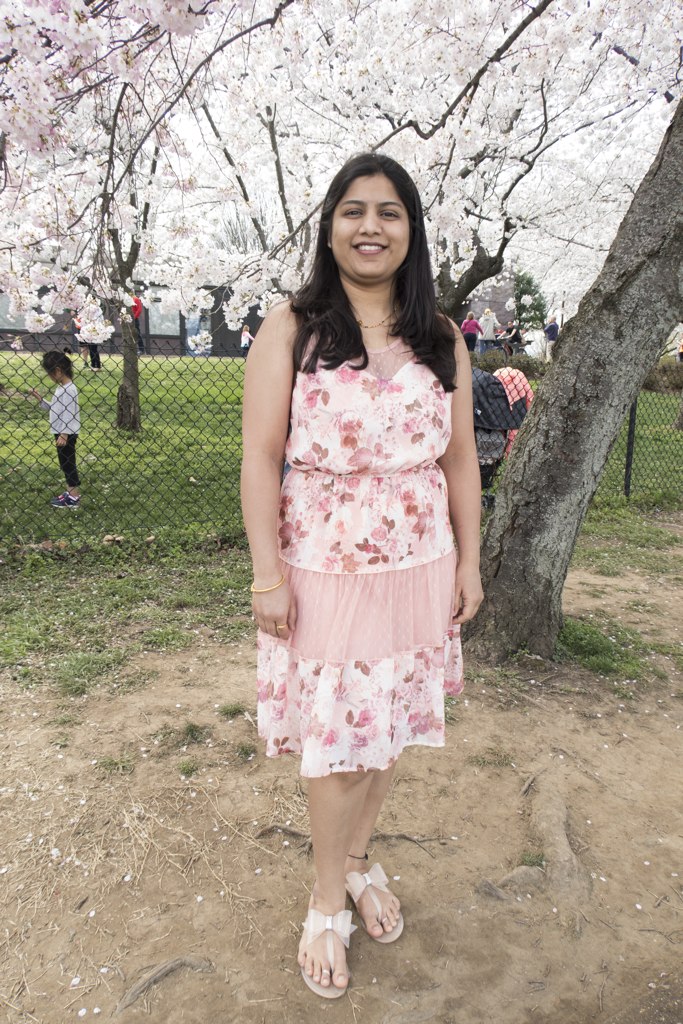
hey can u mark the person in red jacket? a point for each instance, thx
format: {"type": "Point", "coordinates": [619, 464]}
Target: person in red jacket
{"type": "Point", "coordinates": [136, 311]}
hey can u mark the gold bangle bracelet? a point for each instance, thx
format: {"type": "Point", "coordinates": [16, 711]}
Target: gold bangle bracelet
{"type": "Point", "coordinates": [266, 589]}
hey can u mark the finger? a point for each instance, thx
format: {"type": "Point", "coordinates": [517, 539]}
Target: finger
{"type": "Point", "coordinates": [291, 617]}
{"type": "Point", "coordinates": [282, 630]}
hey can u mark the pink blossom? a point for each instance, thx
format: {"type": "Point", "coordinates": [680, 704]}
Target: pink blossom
{"type": "Point", "coordinates": [330, 738]}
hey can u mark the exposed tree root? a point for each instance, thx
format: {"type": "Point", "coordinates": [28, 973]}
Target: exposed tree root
{"type": "Point", "coordinates": [157, 974]}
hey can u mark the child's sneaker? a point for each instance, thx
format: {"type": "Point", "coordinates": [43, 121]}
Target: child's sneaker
{"type": "Point", "coordinates": [65, 500]}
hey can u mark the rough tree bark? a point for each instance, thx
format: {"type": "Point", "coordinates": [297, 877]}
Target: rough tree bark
{"type": "Point", "coordinates": [128, 397]}
{"type": "Point", "coordinates": [601, 361]}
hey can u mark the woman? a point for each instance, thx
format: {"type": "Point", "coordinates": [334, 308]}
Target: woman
{"type": "Point", "coordinates": [354, 590]}
{"type": "Point", "coordinates": [471, 329]}
{"type": "Point", "coordinates": [245, 339]}
{"type": "Point", "coordinates": [489, 325]}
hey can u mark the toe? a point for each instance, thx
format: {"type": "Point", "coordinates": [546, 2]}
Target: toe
{"type": "Point", "coordinates": [339, 978]}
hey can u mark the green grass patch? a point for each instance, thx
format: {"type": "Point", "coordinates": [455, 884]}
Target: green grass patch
{"type": "Point", "coordinates": [181, 468]}
{"type": "Point", "coordinates": [231, 711]}
{"type": "Point", "coordinates": [245, 751]}
{"type": "Point", "coordinates": [122, 765]}
{"type": "Point", "coordinates": [532, 860]}
{"type": "Point", "coordinates": [193, 733]}
{"type": "Point", "coordinates": [167, 638]}
{"type": "Point", "coordinates": [614, 651]}
{"type": "Point", "coordinates": [75, 674]}
{"type": "Point", "coordinates": [617, 538]}
{"type": "Point", "coordinates": [73, 621]}
{"type": "Point", "coordinates": [493, 757]}
{"type": "Point", "coordinates": [188, 767]}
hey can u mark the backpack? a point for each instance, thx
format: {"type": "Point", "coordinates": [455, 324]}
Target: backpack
{"type": "Point", "coordinates": [493, 416]}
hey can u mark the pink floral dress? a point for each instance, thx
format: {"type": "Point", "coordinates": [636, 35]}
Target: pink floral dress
{"type": "Point", "coordinates": [368, 552]}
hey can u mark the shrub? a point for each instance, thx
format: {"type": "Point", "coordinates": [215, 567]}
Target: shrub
{"type": "Point", "coordinates": [666, 378]}
{"type": "Point", "coordinates": [495, 359]}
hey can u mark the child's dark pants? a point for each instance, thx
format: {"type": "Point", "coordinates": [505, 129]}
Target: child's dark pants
{"type": "Point", "coordinates": [67, 460]}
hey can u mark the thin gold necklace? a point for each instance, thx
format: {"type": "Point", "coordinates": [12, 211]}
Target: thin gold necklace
{"type": "Point", "coordinates": [369, 327]}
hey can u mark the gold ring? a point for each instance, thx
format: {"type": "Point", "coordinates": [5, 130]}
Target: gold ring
{"type": "Point", "coordinates": [283, 626]}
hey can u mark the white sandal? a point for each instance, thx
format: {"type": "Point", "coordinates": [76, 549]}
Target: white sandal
{"type": "Point", "coordinates": [358, 882]}
{"type": "Point", "coordinates": [317, 924]}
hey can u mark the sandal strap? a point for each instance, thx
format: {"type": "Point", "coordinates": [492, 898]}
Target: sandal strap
{"type": "Point", "coordinates": [357, 882]}
{"type": "Point", "coordinates": [316, 924]}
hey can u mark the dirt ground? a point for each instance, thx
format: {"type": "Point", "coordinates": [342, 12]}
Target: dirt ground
{"type": "Point", "coordinates": [113, 865]}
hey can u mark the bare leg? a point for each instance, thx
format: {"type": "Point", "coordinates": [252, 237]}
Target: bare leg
{"type": "Point", "coordinates": [374, 798]}
{"type": "Point", "coordinates": [335, 804]}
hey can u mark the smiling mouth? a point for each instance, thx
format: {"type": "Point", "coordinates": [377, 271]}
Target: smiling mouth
{"type": "Point", "coordinates": [368, 248]}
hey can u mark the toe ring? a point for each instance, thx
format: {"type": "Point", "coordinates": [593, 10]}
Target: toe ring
{"type": "Point", "coordinates": [325, 971]}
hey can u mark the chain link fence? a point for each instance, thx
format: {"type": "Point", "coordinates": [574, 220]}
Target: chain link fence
{"type": "Point", "coordinates": [182, 469]}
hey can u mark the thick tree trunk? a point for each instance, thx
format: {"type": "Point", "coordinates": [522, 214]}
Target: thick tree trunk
{"type": "Point", "coordinates": [601, 361]}
{"type": "Point", "coordinates": [128, 398]}
{"type": "Point", "coordinates": [453, 295]}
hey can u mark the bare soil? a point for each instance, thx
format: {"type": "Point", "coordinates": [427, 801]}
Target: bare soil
{"type": "Point", "coordinates": [114, 866]}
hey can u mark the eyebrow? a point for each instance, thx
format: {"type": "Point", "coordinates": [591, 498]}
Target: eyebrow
{"type": "Point", "coordinates": [361, 202]}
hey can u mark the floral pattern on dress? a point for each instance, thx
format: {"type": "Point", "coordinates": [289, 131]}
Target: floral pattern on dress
{"type": "Point", "coordinates": [354, 716]}
{"type": "Point", "coordinates": [365, 493]}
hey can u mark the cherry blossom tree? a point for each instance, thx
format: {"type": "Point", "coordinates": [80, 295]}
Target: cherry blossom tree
{"type": "Point", "coordinates": [557, 460]}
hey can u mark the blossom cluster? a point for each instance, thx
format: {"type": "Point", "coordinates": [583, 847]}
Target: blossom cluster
{"type": "Point", "coordinates": [189, 146]}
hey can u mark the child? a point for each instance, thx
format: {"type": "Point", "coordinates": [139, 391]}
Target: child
{"type": "Point", "coordinates": [65, 422]}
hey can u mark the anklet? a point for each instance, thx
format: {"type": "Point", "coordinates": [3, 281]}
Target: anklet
{"type": "Point", "coordinates": [353, 856]}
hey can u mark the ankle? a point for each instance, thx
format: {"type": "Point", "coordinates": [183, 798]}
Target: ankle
{"type": "Point", "coordinates": [329, 899]}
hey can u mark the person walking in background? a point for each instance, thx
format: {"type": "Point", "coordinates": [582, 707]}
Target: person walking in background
{"type": "Point", "coordinates": [471, 329]}
{"type": "Point", "coordinates": [489, 325]}
{"type": "Point", "coordinates": [551, 331]}
{"type": "Point", "coordinates": [136, 313]}
{"type": "Point", "coordinates": [355, 589]}
{"type": "Point", "coordinates": [65, 423]}
{"type": "Point", "coordinates": [245, 340]}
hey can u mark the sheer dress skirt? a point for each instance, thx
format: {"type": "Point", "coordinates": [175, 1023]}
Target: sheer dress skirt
{"type": "Point", "coordinates": [365, 671]}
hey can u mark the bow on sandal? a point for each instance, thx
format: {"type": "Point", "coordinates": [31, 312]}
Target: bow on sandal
{"type": "Point", "coordinates": [317, 924]}
{"type": "Point", "coordinates": [357, 883]}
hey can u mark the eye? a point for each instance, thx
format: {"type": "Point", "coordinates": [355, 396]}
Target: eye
{"type": "Point", "coordinates": [352, 213]}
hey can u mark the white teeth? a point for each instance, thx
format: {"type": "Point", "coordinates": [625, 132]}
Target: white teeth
{"type": "Point", "coordinates": [369, 248]}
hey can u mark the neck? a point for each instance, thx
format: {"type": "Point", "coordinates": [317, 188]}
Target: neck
{"type": "Point", "coordinates": [370, 303]}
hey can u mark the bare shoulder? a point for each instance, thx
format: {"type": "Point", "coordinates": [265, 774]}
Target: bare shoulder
{"type": "Point", "coordinates": [280, 322]}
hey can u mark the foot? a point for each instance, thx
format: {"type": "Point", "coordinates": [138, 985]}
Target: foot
{"type": "Point", "coordinates": [65, 500]}
{"type": "Point", "coordinates": [377, 906]}
{"type": "Point", "coordinates": [314, 955]}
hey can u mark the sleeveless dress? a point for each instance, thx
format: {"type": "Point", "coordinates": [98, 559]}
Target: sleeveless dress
{"type": "Point", "coordinates": [367, 549]}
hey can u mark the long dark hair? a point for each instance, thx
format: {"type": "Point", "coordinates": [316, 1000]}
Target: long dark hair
{"type": "Point", "coordinates": [322, 306]}
{"type": "Point", "coordinates": [55, 360]}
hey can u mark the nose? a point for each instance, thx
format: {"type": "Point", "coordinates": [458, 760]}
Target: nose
{"type": "Point", "coordinates": [371, 223]}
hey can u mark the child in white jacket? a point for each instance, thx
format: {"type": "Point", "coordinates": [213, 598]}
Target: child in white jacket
{"type": "Point", "coordinates": [65, 423]}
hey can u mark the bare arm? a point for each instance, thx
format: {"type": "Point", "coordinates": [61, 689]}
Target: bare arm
{"type": "Point", "coordinates": [265, 420]}
{"type": "Point", "coordinates": [461, 469]}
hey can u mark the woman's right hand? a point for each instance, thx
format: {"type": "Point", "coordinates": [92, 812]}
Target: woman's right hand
{"type": "Point", "coordinates": [275, 608]}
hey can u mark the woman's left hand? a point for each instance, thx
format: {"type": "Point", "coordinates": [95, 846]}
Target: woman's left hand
{"type": "Point", "coordinates": [468, 594]}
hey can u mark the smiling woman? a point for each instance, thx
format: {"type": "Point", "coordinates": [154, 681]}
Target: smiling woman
{"type": "Point", "coordinates": [355, 590]}
{"type": "Point", "coordinates": [370, 237]}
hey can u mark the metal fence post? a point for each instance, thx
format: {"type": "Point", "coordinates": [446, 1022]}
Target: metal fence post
{"type": "Point", "coordinates": [630, 446]}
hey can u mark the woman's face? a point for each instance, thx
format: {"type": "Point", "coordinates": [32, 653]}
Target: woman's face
{"type": "Point", "coordinates": [370, 233]}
